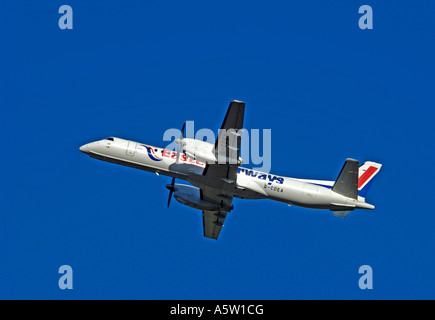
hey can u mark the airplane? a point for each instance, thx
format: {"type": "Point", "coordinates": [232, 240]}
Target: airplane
{"type": "Point", "coordinates": [216, 176]}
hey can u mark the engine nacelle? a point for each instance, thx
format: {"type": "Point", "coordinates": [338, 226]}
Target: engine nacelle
{"type": "Point", "coordinates": [201, 151]}
{"type": "Point", "coordinates": [190, 196]}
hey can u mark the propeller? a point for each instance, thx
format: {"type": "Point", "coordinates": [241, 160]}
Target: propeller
{"type": "Point", "coordinates": [171, 187]}
{"type": "Point", "coordinates": [180, 142]}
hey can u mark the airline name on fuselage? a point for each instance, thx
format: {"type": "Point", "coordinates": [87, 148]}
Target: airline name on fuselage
{"type": "Point", "coordinates": [261, 175]}
{"type": "Point", "coordinates": [153, 154]}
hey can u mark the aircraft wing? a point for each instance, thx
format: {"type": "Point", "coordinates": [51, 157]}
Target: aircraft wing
{"type": "Point", "coordinates": [217, 190]}
{"type": "Point", "coordinates": [227, 146]}
{"type": "Point", "coordinates": [213, 222]}
{"type": "Point", "coordinates": [220, 178]}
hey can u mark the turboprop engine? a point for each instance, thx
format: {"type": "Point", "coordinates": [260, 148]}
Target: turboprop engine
{"type": "Point", "coordinates": [201, 150]}
{"type": "Point", "coordinates": [190, 196]}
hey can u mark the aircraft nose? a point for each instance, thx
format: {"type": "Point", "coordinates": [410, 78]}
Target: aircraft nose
{"type": "Point", "coordinates": [85, 148]}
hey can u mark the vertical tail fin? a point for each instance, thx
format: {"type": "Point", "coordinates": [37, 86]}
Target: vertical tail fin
{"type": "Point", "coordinates": [347, 181]}
{"type": "Point", "coordinates": [366, 173]}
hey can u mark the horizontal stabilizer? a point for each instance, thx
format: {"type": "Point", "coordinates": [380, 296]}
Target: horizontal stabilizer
{"type": "Point", "coordinates": [341, 214]}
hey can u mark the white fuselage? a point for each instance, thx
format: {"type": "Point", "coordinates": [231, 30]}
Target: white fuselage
{"type": "Point", "coordinates": [250, 184]}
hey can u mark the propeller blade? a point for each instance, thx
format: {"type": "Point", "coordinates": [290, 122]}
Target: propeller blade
{"type": "Point", "coordinates": [182, 130]}
{"type": "Point", "coordinates": [180, 142]}
{"type": "Point", "coordinates": [170, 197]}
{"type": "Point", "coordinates": [171, 190]}
{"type": "Point", "coordinates": [171, 187]}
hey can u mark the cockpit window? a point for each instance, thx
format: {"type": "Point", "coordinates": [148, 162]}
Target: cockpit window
{"type": "Point", "coordinates": [110, 139]}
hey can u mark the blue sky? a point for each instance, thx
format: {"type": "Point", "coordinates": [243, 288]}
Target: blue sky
{"type": "Point", "coordinates": [132, 69]}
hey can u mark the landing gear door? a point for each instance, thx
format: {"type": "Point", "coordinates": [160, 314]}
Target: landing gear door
{"type": "Point", "coordinates": [131, 148]}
